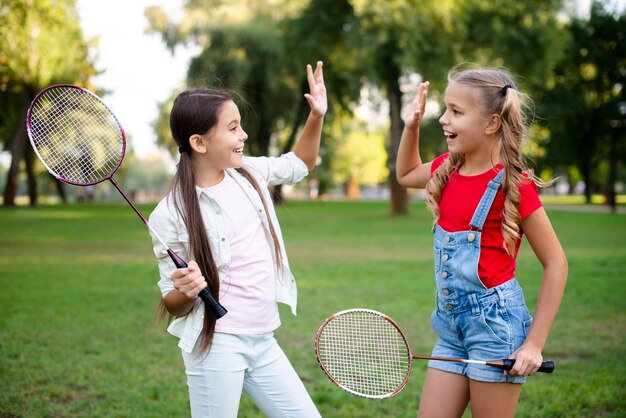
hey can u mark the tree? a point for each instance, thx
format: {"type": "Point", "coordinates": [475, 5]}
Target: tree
{"type": "Point", "coordinates": [248, 59]}
{"type": "Point", "coordinates": [584, 103]}
{"type": "Point", "coordinates": [400, 37]}
{"type": "Point", "coordinates": [41, 43]}
{"type": "Point", "coordinates": [261, 48]}
{"type": "Point", "coordinates": [241, 49]}
{"type": "Point", "coordinates": [525, 36]}
{"type": "Point", "coordinates": [328, 36]}
{"type": "Point", "coordinates": [361, 158]}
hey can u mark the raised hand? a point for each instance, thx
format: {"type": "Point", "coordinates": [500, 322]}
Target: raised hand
{"type": "Point", "coordinates": [317, 96]}
{"type": "Point", "coordinates": [415, 113]}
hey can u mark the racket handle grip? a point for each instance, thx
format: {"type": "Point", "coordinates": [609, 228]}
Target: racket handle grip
{"type": "Point", "coordinates": [206, 296]}
{"type": "Point", "coordinates": [214, 305]}
{"type": "Point", "coordinates": [546, 367]}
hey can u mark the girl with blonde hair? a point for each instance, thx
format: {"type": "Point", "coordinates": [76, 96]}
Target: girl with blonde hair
{"type": "Point", "coordinates": [484, 198]}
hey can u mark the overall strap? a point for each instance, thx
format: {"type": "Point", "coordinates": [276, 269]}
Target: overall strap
{"type": "Point", "coordinates": [478, 220]}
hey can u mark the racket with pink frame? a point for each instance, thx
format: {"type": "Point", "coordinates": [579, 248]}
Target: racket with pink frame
{"type": "Point", "coordinates": [365, 353]}
{"type": "Point", "coordinates": [80, 142]}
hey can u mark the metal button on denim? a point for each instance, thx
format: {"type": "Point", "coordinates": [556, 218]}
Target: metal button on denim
{"type": "Point", "coordinates": [449, 306]}
{"type": "Point", "coordinates": [471, 236]}
{"type": "Point", "coordinates": [445, 257]}
{"type": "Point", "coordinates": [446, 292]}
{"type": "Point", "coordinates": [444, 275]}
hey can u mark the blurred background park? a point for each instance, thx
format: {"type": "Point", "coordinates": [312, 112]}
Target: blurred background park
{"type": "Point", "coordinates": [78, 335]}
{"type": "Point", "coordinates": [569, 56]}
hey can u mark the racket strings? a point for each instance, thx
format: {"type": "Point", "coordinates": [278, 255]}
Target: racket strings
{"type": "Point", "coordinates": [365, 353]}
{"type": "Point", "coordinates": [75, 135]}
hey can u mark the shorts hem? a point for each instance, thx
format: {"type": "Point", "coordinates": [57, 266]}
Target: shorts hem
{"type": "Point", "coordinates": [477, 373]}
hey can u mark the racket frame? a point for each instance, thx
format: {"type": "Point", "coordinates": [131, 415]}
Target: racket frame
{"type": "Point", "coordinates": [50, 170]}
{"type": "Point", "coordinates": [320, 361]}
{"type": "Point", "coordinates": [505, 364]}
{"type": "Point", "coordinates": [205, 295]}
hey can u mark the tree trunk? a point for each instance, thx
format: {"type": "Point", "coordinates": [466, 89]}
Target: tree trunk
{"type": "Point", "coordinates": [61, 190]}
{"type": "Point", "coordinates": [399, 195]}
{"type": "Point", "coordinates": [32, 179]}
{"type": "Point", "coordinates": [586, 173]}
{"type": "Point", "coordinates": [18, 150]}
{"type": "Point", "coordinates": [353, 191]}
{"type": "Point", "coordinates": [611, 194]}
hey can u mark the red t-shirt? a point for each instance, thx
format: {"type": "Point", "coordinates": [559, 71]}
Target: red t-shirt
{"type": "Point", "coordinates": [458, 202]}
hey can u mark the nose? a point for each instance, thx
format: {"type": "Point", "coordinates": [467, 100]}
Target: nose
{"type": "Point", "coordinates": [244, 135]}
{"type": "Point", "coordinates": [443, 120]}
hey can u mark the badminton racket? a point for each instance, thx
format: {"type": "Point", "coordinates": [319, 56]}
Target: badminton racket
{"type": "Point", "coordinates": [365, 353]}
{"type": "Point", "coordinates": [80, 142]}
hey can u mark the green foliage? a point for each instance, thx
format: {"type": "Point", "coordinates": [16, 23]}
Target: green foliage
{"type": "Point", "coordinates": [41, 43]}
{"type": "Point", "coordinates": [79, 335]}
{"type": "Point", "coordinates": [572, 68]}
{"type": "Point", "coordinates": [360, 157]}
{"type": "Point", "coordinates": [246, 58]}
{"type": "Point", "coordinates": [413, 35]}
{"type": "Point", "coordinates": [524, 36]}
{"type": "Point", "coordinates": [585, 95]}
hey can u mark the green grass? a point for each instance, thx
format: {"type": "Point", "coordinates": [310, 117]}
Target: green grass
{"type": "Point", "coordinates": [79, 335]}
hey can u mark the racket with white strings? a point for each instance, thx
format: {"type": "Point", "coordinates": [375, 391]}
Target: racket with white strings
{"type": "Point", "coordinates": [365, 353]}
{"type": "Point", "coordinates": [80, 142]}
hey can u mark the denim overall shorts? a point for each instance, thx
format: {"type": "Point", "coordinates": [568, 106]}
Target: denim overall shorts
{"type": "Point", "coordinates": [471, 321]}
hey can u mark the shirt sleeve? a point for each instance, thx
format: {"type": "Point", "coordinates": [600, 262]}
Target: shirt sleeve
{"type": "Point", "coordinates": [529, 199]}
{"type": "Point", "coordinates": [437, 162]}
{"type": "Point", "coordinates": [163, 221]}
{"type": "Point", "coordinates": [285, 169]}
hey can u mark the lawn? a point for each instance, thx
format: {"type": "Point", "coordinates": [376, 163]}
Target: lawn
{"type": "Point", "coordinates": [79, 334]}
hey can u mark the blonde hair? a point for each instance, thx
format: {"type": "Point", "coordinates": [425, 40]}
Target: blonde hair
{"type": "Point", "coordinates": [496, 93]}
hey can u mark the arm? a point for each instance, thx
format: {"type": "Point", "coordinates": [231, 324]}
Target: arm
{"type": "Point", "coordinates": [179, 287]}
{"type": "Point", "coordinates": [410, 171]}
{"type": "Point", "coordinates": [307, 147]}
{"type": "Point", "coordinates": [547, 248]}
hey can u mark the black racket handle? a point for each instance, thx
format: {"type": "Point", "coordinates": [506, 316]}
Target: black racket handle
{"type": "Point", "coordinates": [546, 367]}
{"type": "Point", "coordinates": [205, 295]}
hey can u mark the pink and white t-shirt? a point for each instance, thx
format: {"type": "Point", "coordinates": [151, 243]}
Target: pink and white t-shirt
{"type": "Point", "coordinates": [248, 291]}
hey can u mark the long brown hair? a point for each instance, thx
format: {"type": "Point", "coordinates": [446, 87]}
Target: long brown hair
{"type": "Point", "coordinates": [497, 94]}
{"type": "Point", "coordinates": [196, 111]}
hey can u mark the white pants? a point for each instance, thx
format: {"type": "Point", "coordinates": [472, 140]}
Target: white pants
{"type": "Point", "coordinates": [252, 363]}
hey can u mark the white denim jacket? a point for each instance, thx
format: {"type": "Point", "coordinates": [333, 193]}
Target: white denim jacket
{"type": "Point", "coordinates": [268, 171]}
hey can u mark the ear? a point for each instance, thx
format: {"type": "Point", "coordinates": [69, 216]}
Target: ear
{"type": "Point", "coordinates": [493, 124]}
{"type": "Point", "coordinates": [198, 143]}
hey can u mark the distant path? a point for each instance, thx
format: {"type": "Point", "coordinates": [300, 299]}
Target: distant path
{"type": "Point", "coordinates": [621, 210]}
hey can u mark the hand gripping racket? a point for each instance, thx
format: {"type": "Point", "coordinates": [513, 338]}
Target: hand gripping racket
{"type": "Point", "coordinates": [365, 353]}
{"type": "Point", "coordinates": [80, 142]}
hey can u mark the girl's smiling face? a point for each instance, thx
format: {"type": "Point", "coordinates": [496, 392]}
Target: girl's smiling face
{"type": "Point", "coordinates": [463, 124]}
{"type": "Point", "coordinates": [226, 139]}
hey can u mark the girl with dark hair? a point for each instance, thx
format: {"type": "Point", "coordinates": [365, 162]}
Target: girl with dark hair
{"type": "Point", "coordinates": [219, 215]}
{"type": "Point", "coordinates": [484, 198]}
